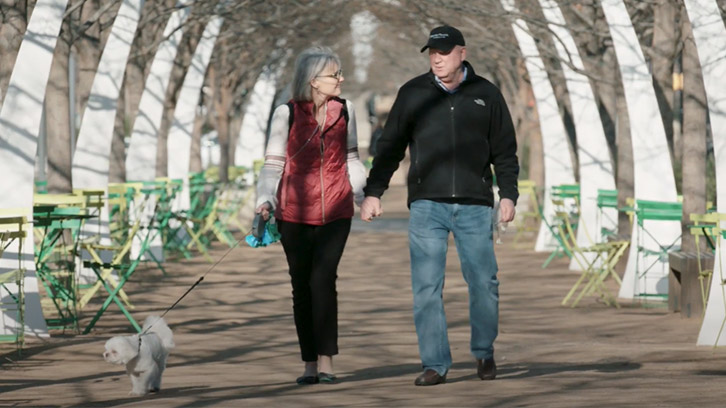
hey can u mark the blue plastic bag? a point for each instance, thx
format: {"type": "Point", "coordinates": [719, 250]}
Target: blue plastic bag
{"type": "Point", "coordinates": [270, 235]}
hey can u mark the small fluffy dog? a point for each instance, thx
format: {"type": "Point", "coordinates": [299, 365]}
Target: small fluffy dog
{"type": "Point", "coordinates": [145, 361]}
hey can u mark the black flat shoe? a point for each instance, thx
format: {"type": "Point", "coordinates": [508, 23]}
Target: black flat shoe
{"type": "Point", "coordinates": [327, 378]}
{"type": "Point", "coordinates": [307, 380]}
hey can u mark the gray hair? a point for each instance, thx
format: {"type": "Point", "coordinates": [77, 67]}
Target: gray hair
{"type": "Point", "coordinates": [310, 63]}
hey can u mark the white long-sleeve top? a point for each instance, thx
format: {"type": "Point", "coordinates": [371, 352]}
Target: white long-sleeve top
{"type": "Point", "coordinates": [271, 172]}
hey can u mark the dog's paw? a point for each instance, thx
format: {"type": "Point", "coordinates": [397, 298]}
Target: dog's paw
{"type": "Point", "coordinates": [155, 390]}
{"type": "Point", "coordinates": [134, 393]}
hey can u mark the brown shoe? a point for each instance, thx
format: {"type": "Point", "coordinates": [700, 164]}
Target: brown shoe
{"type": "Point", "coordinates": [486, 369]}
{"type": "Point", "coordinates": [430, 377]}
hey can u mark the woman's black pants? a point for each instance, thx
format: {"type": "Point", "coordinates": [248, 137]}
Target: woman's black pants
{"type": "Point", "coordinates": [313, 253]}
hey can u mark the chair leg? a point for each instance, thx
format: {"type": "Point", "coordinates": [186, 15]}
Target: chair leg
{"type": "Point", "coordinates": [112, 298]}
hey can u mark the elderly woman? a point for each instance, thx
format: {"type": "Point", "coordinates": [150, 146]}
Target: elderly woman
{"type": "Point", "coordinates": [311, 177]}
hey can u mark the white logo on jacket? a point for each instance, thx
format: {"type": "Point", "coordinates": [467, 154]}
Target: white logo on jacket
{"type": "Point", "coordinates": [480, 102]}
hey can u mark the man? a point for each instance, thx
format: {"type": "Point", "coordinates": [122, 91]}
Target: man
{"type": "Point", "coordinates": [456, 126]}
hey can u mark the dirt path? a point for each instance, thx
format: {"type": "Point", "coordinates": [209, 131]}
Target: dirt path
{"type": "Point", "coordinates": [236, 343]}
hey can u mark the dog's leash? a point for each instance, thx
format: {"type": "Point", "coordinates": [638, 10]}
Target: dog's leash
{"type": "Point", "coordinates": [201, 278]}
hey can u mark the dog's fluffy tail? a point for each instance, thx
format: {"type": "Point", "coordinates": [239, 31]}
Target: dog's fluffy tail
{"type": "Point", "coordinates": [155, 324]}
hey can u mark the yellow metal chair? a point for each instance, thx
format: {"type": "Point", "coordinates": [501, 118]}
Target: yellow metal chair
{"type": "Point", "coordinates": [527, 221]}
{"type": "Point", "coordinates": [122, 231]}
{"type": "Point", "coordinates": [705, 226]}
{"type": "Point", "coordinates": [13, 228]}
{"type": "Point", "coordinates": [125, 224]}
{"type": "Point", "coordinates": [597, 261]}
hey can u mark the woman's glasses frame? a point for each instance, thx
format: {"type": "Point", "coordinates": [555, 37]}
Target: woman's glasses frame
{"type": "Point", "coordinates": [337, 75]}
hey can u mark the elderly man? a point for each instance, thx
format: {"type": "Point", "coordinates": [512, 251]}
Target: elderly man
{"type": "Point", "coordinates": [456, 125]}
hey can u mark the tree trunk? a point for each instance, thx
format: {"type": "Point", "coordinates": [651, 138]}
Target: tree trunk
{"type": "Point", "coordinates": [694, 135]}
{"type": "Point", "coordinates": [143, 49]}
{"type": "Point", "coordinates": [625, 177]}
{"type": "Point", "coordinates": [88, 48]}
{"type": "Point", "coordinates": [222, 102]}
{"type": "Point", "coordinates": [57, 110]}
{"type": "Point", "coordinates": [195, 161]}
{"type": "Point", "coordinates": [662, 58]}
{"type": "Point", "coordinates": [235, 126]}
{"type": "Point", "coordinates": [182, 63]}
{"type": "Point", "coordinates": [529, 126]}
{"type": "Point", "coordinates": [13, 22]}
{"type": "Point", "coordinates": [117, 159]}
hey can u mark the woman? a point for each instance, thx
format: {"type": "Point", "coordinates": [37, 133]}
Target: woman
{"type": "Point", "coordinates": [311, 176]}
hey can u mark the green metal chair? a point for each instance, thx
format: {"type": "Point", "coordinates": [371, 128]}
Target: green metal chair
{"type": "Point", "coordinates": [58, 219]}
{"type": "Point", "coordinates": [606, 199]}
{"type": "Point", "coordinates": [648, 258]}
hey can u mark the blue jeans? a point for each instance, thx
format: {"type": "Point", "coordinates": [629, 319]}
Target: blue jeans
{"type": "Point", "coordinates": [428, 231]}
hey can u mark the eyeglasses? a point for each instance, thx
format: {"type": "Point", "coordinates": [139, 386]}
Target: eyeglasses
{"type": "Point", "coordinates": [337, 75]}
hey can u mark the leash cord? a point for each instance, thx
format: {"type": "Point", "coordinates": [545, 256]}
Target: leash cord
{"type": "Point", "coordinates": [201, 278]}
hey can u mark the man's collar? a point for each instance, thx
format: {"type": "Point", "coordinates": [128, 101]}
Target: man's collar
{"type": "Point", "coordinates": [464, 76]}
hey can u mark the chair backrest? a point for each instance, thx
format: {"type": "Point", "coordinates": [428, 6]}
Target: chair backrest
{"type": "Point", "coordinates": [706, 225]}
{"type": "Point", "coordinates": [41, 186]}
{"type": "Point", "coordinates": [13, 226]}
{"type": "Point", "coordinates": [607, 198]}
{"type": "Point", "coordinates": [94, 197]}
{"type": "Point", "coordinates": [658, 210]}
{"type": "Point", "coordinates": [529, 188]}
{"type": "Point", "coordinates": [59, 200]}
{"type": "Point", "coordinates": [566, 191]}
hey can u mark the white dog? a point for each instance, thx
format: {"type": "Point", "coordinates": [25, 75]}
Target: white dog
{"type": "Point", "coordinates": [145, 361]}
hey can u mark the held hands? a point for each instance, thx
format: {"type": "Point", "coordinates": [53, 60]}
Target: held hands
{"type": "Point", "coordinates": [371, 207]}
{"type": "Point", "coordinates": [264, 210]}
{"type": "Point", "coordinates": [506, 210]}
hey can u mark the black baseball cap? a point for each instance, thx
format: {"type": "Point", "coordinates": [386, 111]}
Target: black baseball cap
{"type": "Point", "coordinates": [444, 38]}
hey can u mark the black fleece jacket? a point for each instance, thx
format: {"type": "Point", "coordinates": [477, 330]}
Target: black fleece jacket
{"type": "Point", "coordinates": [453, 139]}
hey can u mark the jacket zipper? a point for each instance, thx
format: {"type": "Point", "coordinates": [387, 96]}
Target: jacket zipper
{"type": "Point", "coordinates": [287, 177]}
{"type": "Point", "coordinates": [322, 184]}
{"type": "Point", "coordinates": [418, 174]}
{"type": "Point", "coordinates": [453, 150]}
{"type": "Point", "coordinates": [322, 165]}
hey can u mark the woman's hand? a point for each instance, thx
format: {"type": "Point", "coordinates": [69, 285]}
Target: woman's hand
{"type": "Point", "coordinates": [264, 210]}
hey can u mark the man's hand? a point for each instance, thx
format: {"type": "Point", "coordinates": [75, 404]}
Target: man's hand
{"type": "Point", "coordinates": [506, 210]}
{"type": "Point", "coordinates": [371, 207]}
{"type": "Point", "coordinates": [264, 209]}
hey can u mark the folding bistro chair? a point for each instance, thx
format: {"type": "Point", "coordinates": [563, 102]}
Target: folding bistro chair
{"type": "Point", "coordinates": [237, 196]}
{"type": "Point", "coordinates": [527, 221]}
{"type": "Point", "coordinates": [596, 261]}
{"type": "Point", "coordinates": [13, 228]}
{"type": "Point", "coordinates": [721, 277]}
{"type": "Point", "coordinates": [125, 226]}
{"type": "Point", "coordinates": [705, 226]}
{"type": "Point", "coordinates": [58, 219]}
{"type": "Point", "coordinates": [121, 232]}
{"type": "Point", "coordinates": [176, 233]}
{"type": "Point", "coordinates": [647, 259]}
{"type": "Point", "coordinates": [606, 199]}
{"type": "Point", "coordinates": [566, 197]}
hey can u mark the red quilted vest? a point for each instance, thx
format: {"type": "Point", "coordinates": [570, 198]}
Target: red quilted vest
{"type": "Point", "coordinates": [314, 188]}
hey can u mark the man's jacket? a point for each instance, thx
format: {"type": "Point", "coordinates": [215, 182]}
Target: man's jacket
{"type": "Point", "coordinates": [453, 140]}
